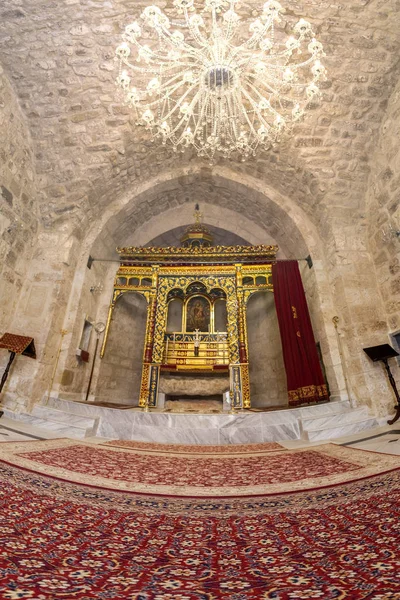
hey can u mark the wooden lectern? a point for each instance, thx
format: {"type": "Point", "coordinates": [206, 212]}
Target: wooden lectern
{"type": "Point", "coordinates": [15, 344]}
{"type": "Point", "coordinates": [383, 353]}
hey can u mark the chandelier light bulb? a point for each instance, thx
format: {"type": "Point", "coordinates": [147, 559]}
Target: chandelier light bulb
{"type": "Point", "coordinates": [198, 84]}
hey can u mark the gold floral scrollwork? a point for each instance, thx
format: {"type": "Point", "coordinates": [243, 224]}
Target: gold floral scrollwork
{"type": "Point", "coordinates": [160, 319]}
{"type": "Point", "coordinates": [245, 386]}
{"type": "Point", "coordinates": [243, 349]}
{"type": "Point", "coordinates": [240, 252]}
{"type": "Point", "coordinates": [144, 386]}
{"type": "Point", "coordinates": [149, 335]}
{"type": "Point", "coordinates": [246, 296]}
{"type": "Point", "coordinates": [154, 378]}
{"type": "Point", "coordinates": [232, 327]}
{"type": "Point", "coordinates": [167, 283]}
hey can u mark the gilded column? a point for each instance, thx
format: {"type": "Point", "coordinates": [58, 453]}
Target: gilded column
{"type": "Point", "coordinates": [148, 348]}
{"type": "Point", "coordinates": [233, 342]}
{"type": "Point", "coordinates": [232, 325]}
{"type": "Point", "coordinates": [242, 328]}
{"type": "Point", "coordinates": [243, 349]}
{"type": "Point", "coordinates": [243, 346]}
{"type": "Point", "coordinates": [151, 314]}
{"type": "Point", "coordinates": [116, 295]}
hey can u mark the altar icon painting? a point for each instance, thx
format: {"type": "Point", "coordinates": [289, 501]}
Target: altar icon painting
{"type": "Point", "coordinates": [198, 314]}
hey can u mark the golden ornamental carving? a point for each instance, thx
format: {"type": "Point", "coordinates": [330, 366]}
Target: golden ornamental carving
{"type": "Point", "coordinates": [165, 284]}
{"type": "Point", "coordinates": [144, 386]}
{"type": "Point", "coordinates": [175, 270]}
{"type": "Point", "coordinates": [240, 271]}
{"type": "Point", "coordinates": [259, 250]}
{"type": "Point", "coordinates": [245, 386]}
{"type": "Point", "coordinates": [259, 253]}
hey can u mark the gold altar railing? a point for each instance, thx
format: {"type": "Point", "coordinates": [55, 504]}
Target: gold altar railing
{"type": "Point", "coordinates": [198, 352]}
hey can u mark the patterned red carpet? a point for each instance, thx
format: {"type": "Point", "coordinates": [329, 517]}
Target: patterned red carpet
{"type": "Point", "coordinates": [198, 449]}
{"type": "Point", "coordinates": [63, 539]}
{"type": "Point", "coordinates": [196, 475]}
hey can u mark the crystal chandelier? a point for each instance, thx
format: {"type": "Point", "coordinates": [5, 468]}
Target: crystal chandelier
{"type": "Point", "coordinates": [196, 82]}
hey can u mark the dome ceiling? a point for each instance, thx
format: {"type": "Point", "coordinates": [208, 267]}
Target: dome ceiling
{"type": "Point", "coordinates": [59, 57]}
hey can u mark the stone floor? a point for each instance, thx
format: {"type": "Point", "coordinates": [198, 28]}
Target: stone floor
{"type": "Point", "coordinates": [16, 431]}
{"type": "Point", "coordinates": [384, 439]}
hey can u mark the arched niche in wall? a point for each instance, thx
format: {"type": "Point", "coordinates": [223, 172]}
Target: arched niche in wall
{"type": "Point", "coordinates": [220, 315]}
{"type": "Point", "coordinates": [175, 315]}
{"type": "Point", "coordinates": [121, 368]}
{"type": "Point", "coordinates": [267, 371]}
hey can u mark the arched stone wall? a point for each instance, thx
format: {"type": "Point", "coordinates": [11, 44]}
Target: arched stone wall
{"type": "Point", "coordinates": [101, 180]}
{"type": "Point", "coordinates": [251, 204]}
{"type": "Point", "coordinates": [18, 200]}
{"type": "Point", "coordinates": [384, 210]}
{"type": "Point", "coordinates": [237, 207]}
{"type": "Point", "coordinates": [383, 230]}
{"type": "Point", "coordinates": [19, 229]}
{"type": "Point", "coordinates": [267, 371]}
{"type": "Point", "coordinates": [120, 370]}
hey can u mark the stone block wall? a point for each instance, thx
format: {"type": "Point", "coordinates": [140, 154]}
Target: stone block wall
{"type": "Point", "coordinates": [384, 211]}
{"type": "Point", "coordinates": [120, 370]}
{"type": "Point", "coordinates": [321, 309]}
{"type": "Point", "coordinates": [267, 371]}
{"type": "Point", "coordinates": [18, 230]}
{"type": "Point", "coordinates": [18, 201]}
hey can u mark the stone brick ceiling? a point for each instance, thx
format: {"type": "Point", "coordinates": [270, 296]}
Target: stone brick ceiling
{"type": "Point", "coordinates": [59, 59]}
{"type": "Point", "coordinates": [221, 237]}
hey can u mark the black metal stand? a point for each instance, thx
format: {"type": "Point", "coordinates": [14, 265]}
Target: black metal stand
{"type": "Point", "coordinates": [5, 374]}
{"type": "Point", "coordinates": [396, 393]}
{"type": "Point", "coordinates": [91, 370]}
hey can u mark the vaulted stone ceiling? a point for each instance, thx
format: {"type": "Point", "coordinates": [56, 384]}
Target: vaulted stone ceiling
{"type": "Point", "coordinates": [221, 237]}
{"type": "Point", "coordinates": [77, 178]}
{"type": "Point", "coordinates": [58, 57]}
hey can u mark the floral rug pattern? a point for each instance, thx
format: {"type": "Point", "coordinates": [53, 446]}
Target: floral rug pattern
{"type": "Point", "coordinates": [196, 475]}
{"type": "Point", "coordinates": [65, 540]}
{"type": "Point", "coordinates": [195, 448]}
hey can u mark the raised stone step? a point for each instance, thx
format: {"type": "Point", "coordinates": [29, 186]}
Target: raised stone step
{"type": "Point", "coordinates": [314, 423]}
{"type": "Point", "coordinates": [327, 408]}
{"type": "Point", "coordinates": [327, 433]}
{"type": "Point", "coordinates": [66, 418]}
{"type": "Point", "coordinates": [84, 409]}
{"type": "Point", "coordinates": [335, 420]}
{"type": "Point", "coordinates": [57, 428]}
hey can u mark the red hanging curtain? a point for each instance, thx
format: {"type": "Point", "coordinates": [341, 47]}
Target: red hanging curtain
{"type": "Point", "coordinates": [303, 370]}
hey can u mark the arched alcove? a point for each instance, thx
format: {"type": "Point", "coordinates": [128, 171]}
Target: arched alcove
{"type": "Point", "coordinates": [267, 371]}
{"type": "Point", "coordinates": [247, 210]}
{"type": "Point", "coordinates": [102, 177]}
{"type": "Point", "coordinates": [121, 367]}
{"type": "Point", "coordinates": [175, 315]}
{"type": "Point", "coordinates": [220, 315]}
{"type": "Point", "coordinates": [244, 207]}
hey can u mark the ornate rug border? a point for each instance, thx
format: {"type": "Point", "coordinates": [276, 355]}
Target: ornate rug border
{"type": "Point", "coordinates": [205, 496]}
{"type": "Point", "coordinates": [214, 455]}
